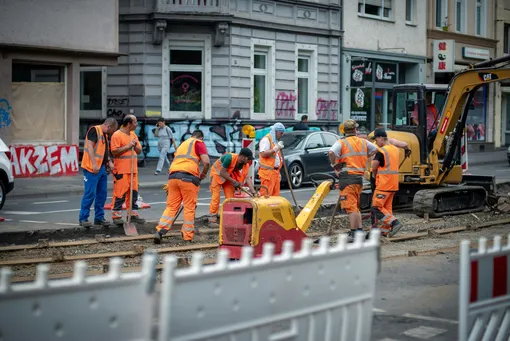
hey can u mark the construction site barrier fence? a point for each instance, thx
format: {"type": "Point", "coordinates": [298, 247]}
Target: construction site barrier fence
{"type": "Point", "coordinates": [484, 291]}
{"type": "Point", "coordinates": [314, 294]}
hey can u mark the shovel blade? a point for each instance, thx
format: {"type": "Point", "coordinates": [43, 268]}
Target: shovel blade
{"type": "Point", "coordinates": [130, 229]}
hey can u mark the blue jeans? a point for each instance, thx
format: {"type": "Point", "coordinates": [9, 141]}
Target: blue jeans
{"type": "Point", "coordinates": [96, 188]}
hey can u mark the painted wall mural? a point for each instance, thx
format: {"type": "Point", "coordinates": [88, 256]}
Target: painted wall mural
{"type": "Point", "coordinates": [54, 160]}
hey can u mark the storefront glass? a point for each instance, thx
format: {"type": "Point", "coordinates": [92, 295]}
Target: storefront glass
{"type": "Point", "coordinates": [361, 106]}
{"type": "Point", "coordinates": [475, 123]}
{"type": "Point", "coordinates": [383, 107]}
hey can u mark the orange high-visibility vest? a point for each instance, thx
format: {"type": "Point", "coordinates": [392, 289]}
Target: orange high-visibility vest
{"type": "Point", "coordinates": [237, 174]}
{"type": "Point", "coordinates": [186, 159]}
{"type": "Point", "coordinates": [99, 149]}
{"type": "Point", "coordinates": [122, 162]}
{"type": "Point", "coordinates": [387, 176]}
{"type": "Point", "coordinates": [266, 168]}
{"type": "Point", "coordinates": [354, 154]}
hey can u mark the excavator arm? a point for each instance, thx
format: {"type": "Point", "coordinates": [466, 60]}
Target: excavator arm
{"type": "Point", "coordinates": [460, 93]}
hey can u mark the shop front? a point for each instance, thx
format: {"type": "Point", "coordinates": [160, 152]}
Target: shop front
{"type": "Point", "coordinates": [369, 88]}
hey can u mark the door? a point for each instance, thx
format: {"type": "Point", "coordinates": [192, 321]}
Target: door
{"type": "Point", "coordinates": [313, 154]}
{"type": "Point", "coordinates": [329, 141]}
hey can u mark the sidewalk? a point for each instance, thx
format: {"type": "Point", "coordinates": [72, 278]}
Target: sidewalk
{"type": "Point", "coordinates": [51, 186]}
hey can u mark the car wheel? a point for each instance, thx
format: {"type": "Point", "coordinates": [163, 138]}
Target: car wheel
{"type": "Point", "coordinates": [296, 174]}
{"type": "Point", "coordinates": [2, 194]}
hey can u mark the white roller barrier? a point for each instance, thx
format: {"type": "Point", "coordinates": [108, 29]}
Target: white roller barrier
{"type": "Point", "coordinates": [484, 291]}
{"type": "Point", "coordinates": [314, 294]}
{"type": "Point", "coordinates": [114, 306]}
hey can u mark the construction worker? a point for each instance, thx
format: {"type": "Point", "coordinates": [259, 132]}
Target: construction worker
{"type": "Point", "coordinates": [385, 169]}
{"type": "Point", "coordinates": [96, 165]}
{"type": "Point", "coordinates": [183, 184]}
{"type": "Point", "coordinates": [123, 140]}
{"type": "Point", "coordinates": [229, 172]}
{"type": "Point", "coordinates": [271, 161]}
{"type": "Point", "coordinates": [348, 157]}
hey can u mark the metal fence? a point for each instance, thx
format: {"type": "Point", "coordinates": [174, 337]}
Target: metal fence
{"type": "Point", "coordinates": [314, 294]}
{"type": "Point", "coordinates": [484, 292]}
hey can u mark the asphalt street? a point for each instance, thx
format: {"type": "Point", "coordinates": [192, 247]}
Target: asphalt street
{"type": "Point", "coordinates": [62, 211]}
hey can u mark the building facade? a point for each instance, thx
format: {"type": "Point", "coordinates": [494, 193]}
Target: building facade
{"type": "Point", "coordinates": [383, 46]}
{"type": "Point", "coordinates": [43, 45]}
{"type": "Point", "coordinates": [460, 33]}
{"type": "Point", "coordinates": [502, 98]}
{"type": "Point", "coordinates": [219, 64]}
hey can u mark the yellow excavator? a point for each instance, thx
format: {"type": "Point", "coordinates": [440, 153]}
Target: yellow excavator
{"type": "Point", "coordinates": [431, 179]}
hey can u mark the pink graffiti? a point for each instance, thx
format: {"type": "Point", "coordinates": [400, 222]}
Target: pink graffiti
{"type": "Point", "coordinates": [326, 110]}
{"type": "Point", "coordinates": [285, 105]}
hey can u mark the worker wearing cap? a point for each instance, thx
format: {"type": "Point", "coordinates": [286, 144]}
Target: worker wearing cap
{"type": "Point", "coordinates": [229, 172]}
{"type": "Point", "coordinates": [183, 185]}
{"type": "Point", "coordinates": [385, 169]}
{"type": "Point", "coordinates": [348, 157]}
{"type": "Point", "coordinates": [271, 161]}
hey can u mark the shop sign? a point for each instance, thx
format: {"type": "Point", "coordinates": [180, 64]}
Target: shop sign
{"type": "Point", "coordinates": [357, 73]}
{"type": "Point", "coordinates": [368, 70]}
{"type": "Point", "coordinates": [443, 55]}
{"type": "Point", "coordinates": [472, 53]}
{"type": "Point", "coordinates": [386, 73]}
{"type": "Point", "coordinates": [360, 105]}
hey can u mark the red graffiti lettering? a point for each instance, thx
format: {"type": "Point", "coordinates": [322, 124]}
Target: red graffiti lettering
{"type": "Point", "coordinates": [285, 105]}
{"type": "Point", "coordinates": [38, 161]}
{"type": "Point", "coordinates": [326, 110]}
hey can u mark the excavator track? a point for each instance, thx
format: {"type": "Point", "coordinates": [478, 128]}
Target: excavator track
{"type": "Point", "coordinates": [439, 202]}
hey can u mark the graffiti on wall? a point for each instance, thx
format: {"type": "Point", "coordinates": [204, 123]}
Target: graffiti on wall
{"type": "Point", "coordinates": [117, 107]}
{"type": "Point", "coordinates": [55, 160]}
{"type": "Point", "coordinates": [326, 110]}
{"type": "Point", "coordinates": [285, 105]}
{"type": "Point", "coordinates": [5, 113]}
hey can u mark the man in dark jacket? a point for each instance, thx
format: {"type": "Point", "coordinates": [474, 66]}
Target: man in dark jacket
{"type": "Point", "coordinates": [302, 125]}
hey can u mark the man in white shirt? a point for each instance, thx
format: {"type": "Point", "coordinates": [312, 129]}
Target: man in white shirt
{"type": "Point", "coordinates": [271, 161]}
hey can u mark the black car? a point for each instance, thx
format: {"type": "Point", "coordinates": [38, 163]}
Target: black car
{"type": "Point", "coordinates": [305, 152]}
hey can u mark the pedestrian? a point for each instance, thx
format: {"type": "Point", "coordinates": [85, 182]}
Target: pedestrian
{"type": "Point", "coordinates": [165, 140]}
{"type": "Point", "coordinates": [123, 140]}
{"type": "Point", "coordinates": [96, 164]}
{"type": "Point", "coordinates": [385, 169]}
{"type": "Point", "coordinates": [303, 124]}
{"type": "Point", "coordinates": [348, 157]}
{"type": "Point", "coordinates": [229, 172]}
{"type": "Point", "coordinates": [271, 161]}
{"type": "Point", "coordinates": [183, 185]}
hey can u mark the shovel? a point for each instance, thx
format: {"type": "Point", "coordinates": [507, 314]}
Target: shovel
{"type": "Point", "coordinates": [129, 227]}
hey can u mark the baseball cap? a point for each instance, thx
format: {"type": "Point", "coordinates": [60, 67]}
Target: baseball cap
{"type": "Point", "coordinates": [350, 125]}
{"type": "Point", "coordinates": [246, 152]}
{"type": "Point", "coordinates": [379, 132]}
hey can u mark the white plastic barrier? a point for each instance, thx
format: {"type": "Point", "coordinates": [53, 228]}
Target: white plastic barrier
{"type": "Point", "coordinates": [114, 306]}
{"type": "Point", "coordinates": [314, 294]}
{"type": "Point", "coordinates": [484, 292]}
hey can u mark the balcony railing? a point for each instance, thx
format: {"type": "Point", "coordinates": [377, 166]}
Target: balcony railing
{"type": "Point", "coordinates": [193, 6]}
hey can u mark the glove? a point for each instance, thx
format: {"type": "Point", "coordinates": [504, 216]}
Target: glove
{"type": "Point", "coordinates": [280, 144]}
{"type": "Point", "coordinates": [236, 184]}
{"type": "Point", "coordinates": [407, 152]}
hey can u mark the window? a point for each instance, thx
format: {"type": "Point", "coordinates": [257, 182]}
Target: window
{"type": "Point", "coordinates": [460, 16]}
{"type": "Point", "coordinates": [442, 14]}
{"type": "Point", "coordinates": [37, 73]}
{"type": "Point", "coordinates": [303, 84]}
{"type": "Point", "coordinates": [375, 8]}
{"type": "Point", "coordinates": [91, 90]}
{"type": "Point", "coordinates": [314, 142]}
{"type": "Point", "coordinates": [475, 122]}
{"type": "Point", "coordinates": [329, 139]}
{"type": "Point", "coordinates": [480, 18]}
{"type": "Point", "coordinates": [410, 11]}
{"type": "Point", "coordinates": [405, 105]}
{"type": "Point", "coordinates": [506, 42]}
{"type": "Point", "coordinates": [186, 87]}
{"type": "Point", "coordinates": [306, 79]}
{"type": "Point", "coordinates": [263, 80]}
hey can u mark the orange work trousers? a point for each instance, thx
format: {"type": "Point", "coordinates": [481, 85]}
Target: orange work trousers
{"type": "Point", "coordinates": [350, 198]}
{"type": "Point", "coordinates": [215, 188]}
{"type": "Point", "coordinates": [272, 184]}
{"type": "Point", "coordinates": [121, 183]}
{"type": "Point", "coordinates": [180, 192]}
{"type": "Point", "coordinates": [382, 209]}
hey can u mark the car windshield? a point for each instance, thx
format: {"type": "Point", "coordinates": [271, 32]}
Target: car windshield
{"type": "Point", "coordinates": [293, 141]}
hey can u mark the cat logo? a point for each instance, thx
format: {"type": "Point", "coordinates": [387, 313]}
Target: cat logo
{"type": "Point", "coordinates": [487, 77]}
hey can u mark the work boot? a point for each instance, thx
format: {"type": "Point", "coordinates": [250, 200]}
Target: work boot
{"type": "Point", "coordinates": [157, 238]}
{"type": "Point", "coordinates": [351, 235]}
{"type": "Point", "coordinates": [85, 224]}
{"type": "Point", "coordinates": [395, 227]}
{"type": "Point", "coordinates": [118, 221]}
{"type": "Point", "coordinates": [137, 219]}
{"type": "Point", "coordinates": [102, 223]}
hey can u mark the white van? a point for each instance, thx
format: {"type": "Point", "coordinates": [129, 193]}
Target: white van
{"type": "Point", "coordinates": [6, 177]}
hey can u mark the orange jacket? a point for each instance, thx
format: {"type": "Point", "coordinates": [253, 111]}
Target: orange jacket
{"type": "Point", "coordinates": [387, 176]}
{"type": "Point", "coordinates": [354, 155]}
{"type": "Point", "coordinates": [266, 168]}
{"type": "Point", "coordinates": [238, 175]}
{"type": "Point", "coordinates": [122, 162]}
{"type": "Point", "coordinates": [99, 149]}
{"type": "Point", "coordinates": [186, 159]}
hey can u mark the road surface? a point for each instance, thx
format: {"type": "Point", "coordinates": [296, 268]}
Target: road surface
{"type": "Point", "coordinates": [62, 211]}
